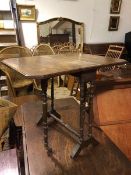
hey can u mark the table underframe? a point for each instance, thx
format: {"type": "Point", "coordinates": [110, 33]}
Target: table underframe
{"type": "Point", "coordinates": [86, 106]}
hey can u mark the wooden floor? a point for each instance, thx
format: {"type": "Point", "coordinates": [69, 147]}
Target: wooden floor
{"type": "Point", "coordinates": [104, 159]}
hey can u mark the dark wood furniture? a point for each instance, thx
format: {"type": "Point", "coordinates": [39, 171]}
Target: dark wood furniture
{"type": "Point", "coordinates": [9, 163]}
{"type": "Point", "coordinates": [105, 159]}
{"type": "Point", "coordinates": [84, 68]}
{"type": "Point", "coordinates": [101, 48]}
{"type": "Point", "coordinates": [55, 38]}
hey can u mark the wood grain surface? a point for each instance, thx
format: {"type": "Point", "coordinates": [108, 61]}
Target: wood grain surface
{"type": "Point", "coordinates": [113, 106]}
{"type": "Point", "coordinates": [52, 65]}
{"type": "Point", "coordinates": [105, 159]}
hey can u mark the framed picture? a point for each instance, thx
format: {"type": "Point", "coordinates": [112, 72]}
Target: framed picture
{"type": "Point", "coordinates": [26, 12]}
{"type": "Point", "coordinates": [115, 6]}
{"type": "Point", "coordinates": [113, 23]}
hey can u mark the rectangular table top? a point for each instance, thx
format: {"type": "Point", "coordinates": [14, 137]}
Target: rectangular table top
{"type": "Point", "coordinates": [53, 65]}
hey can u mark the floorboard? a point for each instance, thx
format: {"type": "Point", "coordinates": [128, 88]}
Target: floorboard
{"type": "Point", "coordinates": [105, 158]}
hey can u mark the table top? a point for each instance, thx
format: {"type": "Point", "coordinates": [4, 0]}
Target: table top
{"type": "Point", "coordinates": [53, 65]}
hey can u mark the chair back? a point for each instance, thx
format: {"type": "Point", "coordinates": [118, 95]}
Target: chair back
{"type": "Point", "coordinates": [14, 52]}
{"type": "Point", "coordinates": [56, 48]}
{"type": "Point", "coordinates": [14, 79]}
{"type": "Point", "coordinates": [69, 49]}
{"type": "Point", "coordinates": [114, 51]}
{"type": "Point", "coordinates": [43, 49]}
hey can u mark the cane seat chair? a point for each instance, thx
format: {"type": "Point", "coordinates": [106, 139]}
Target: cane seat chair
{"type": "Point", "coordinates": [114, 52]}
{"type": "Point", "coordinates": [68, 49]}
{"type": "Point", "coordinates": [41, 49]}
{"type": "Point", "coordinates": [17, 83]}
{"type": "Point", "coordinates": [56, 48]}
{"type": "Point", "coordinates": [7, 111]}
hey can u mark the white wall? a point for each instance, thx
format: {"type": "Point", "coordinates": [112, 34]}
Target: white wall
{"type": "Point", "coordinates": [101, 17]}
{"type": "Point", "coordinates": [93, 13]}
{"type": "Point", "coordinates": [4, 5]}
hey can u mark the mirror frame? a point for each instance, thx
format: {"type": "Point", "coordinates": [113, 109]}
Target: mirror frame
{"type": "Point", "coordinates": [73, 29]}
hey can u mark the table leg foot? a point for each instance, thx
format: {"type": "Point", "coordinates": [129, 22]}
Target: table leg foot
{"type": "Point", "coordinates": [76, 151]}
{"type": "Point", "coordinates": [78, 147]}
{"type": "Point", "coordinates": [49, 152]}
{"type": "Point", "coordinates": [40, 122]}
{"type": "Point", "coordinates": [93, 141]}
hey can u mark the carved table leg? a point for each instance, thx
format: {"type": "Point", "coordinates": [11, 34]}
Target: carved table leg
{"type": "Point", "coordinates": [44, 84]}
{"type": "Point", "coordinates": [79, 146]}
{"type": "Point", "coordinates": [89, 95]}
{"type": "Point", "coordinates": [83, 143]}
{"type": "Point", "coordinates": [53, 111]}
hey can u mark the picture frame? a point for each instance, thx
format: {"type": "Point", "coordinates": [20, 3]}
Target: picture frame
{"type": "Point", "coordinates": [115, 6]}
{"type": "Point", "coordinates": [26, 12]}
{"type": "Point", "coordinates": [113, 23]}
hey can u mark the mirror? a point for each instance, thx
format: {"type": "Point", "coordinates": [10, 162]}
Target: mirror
{"type": "Point", "coordinates": [61, 30]}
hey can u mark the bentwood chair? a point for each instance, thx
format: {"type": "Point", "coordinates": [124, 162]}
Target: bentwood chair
{"type": "Point", "coordinates": [56, 48]}
{"type": "Point", "coordinates": [63, 47]}
{"type": "Point", "coordinates": [68, 49]}
{"type": "Point", "coordinates": [41, 49]}
{"type": "Point", "coordinates": [114, 52]}
{"type": "Point", "coordinates": [7, 111]}
{"type": "Point", "coordinates": [17, 84]}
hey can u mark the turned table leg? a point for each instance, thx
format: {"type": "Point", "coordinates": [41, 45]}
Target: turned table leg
{"type": "Point", "coordinates": [44, 84]}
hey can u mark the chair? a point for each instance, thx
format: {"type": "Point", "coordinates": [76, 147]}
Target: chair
{"type": "Point", "coordinates": [17, 83]}
{"type": "Point", "coordinates": [114, 52]}
{"type": "Point", "coordinates": [56, 48]}
{"type": "Point", "coordinates": [41, 49]}
{"type": "Point", "coordinates": [7, 111]}
{"type": "Point", "coordinates": [68, 49]}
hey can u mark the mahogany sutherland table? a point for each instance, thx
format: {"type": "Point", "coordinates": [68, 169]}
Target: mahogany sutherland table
{"type": "Point", "coordinates": [82, 66]}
